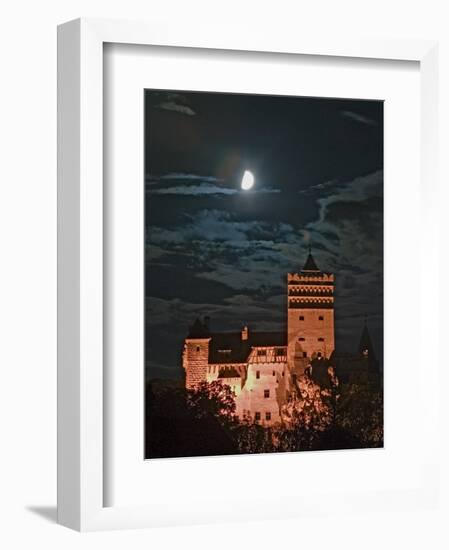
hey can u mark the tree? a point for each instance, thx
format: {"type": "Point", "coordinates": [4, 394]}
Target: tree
{"type": "Point", "coordinates": [310, 410]}
{"type": "Point", "coordinates": [181, 423]}
{"type": "Point", "coordinates": [212, 399]}
{"type": "Point", "coordinates": [252, 438]}
{"type": "Point", "coordinates": [361, 411]}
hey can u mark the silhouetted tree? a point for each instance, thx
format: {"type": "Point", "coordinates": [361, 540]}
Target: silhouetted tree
{"type": "Point", "coordinates": [212, 399]}
{"type": "Point", "coordinates": [174, 427]}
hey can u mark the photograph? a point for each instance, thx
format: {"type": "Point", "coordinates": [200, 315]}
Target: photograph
{"type": "Point", "coordinates": [264, 256]}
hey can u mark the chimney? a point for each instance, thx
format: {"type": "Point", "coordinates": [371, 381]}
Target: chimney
{"type": "Point", "coordinates": [245, 333]}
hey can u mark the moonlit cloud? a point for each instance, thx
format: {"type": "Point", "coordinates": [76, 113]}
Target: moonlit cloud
{"type": "Point", "coordinates": [357, 117]}
{"type": "Point", "coordinates": [193, 184]}
{"type": "Point", "coordinates": [176, 103]}
{"type": "Point", "coordinates": [184, 176]}
{"type": "Point", "coordinates": [203, 189]}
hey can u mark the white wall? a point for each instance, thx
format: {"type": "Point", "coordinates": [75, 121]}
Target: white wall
{"type": "Point", "coordinates": [28, 277]}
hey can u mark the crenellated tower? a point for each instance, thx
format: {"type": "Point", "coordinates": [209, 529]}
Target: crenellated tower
{"type": "Point", "coordinates": [310, 314]}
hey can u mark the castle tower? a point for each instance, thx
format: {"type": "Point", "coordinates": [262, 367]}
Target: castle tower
{"type": "Point", "coordinates": [195, 356]}
{"type": "Point", "coordinates": [310, 314]}
{"type": "Point", "coordinates": [366, 348]}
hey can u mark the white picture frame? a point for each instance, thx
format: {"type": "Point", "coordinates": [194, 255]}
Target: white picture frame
{"type": "Point", "coordinates": [81, 488]}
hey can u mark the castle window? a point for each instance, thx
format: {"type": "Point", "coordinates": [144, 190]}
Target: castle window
{"type": "Point", "coordinates": [304, 353]}
{"type": "Point", "coordinates": [320, 339]}
{"type": "Point", "coordinates": [266, 393]}
{"type": "Point", "coordinates": [268, 416]}
{"type": "Point", "coordinates": [274, 374]}
{"type": "Point", "coordinates": [197, 348]}
{"type": "Point", "coordinates": [320, 318]}
{"type": "Point", "coordinates": [257, 416]}
{"type": "Point", "coordinates": [257, 374]}
{"type": "Point", "coordinates": [301, 317]}
{"type": "Point", "coordinates": [302, 339]}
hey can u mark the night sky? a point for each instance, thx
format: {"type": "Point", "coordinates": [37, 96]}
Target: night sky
{"type": "Point", "coordinates": [214, 249]}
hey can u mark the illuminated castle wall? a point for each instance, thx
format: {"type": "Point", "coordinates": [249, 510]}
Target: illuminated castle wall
{"type": "Point", "coordinates": [262, 367]}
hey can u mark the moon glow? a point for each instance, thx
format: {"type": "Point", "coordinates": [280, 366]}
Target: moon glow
{"type": "Point", "coordinates": [247, 180]}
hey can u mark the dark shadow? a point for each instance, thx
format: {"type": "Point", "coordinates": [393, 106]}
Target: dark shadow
{"type": "Point", "coordinates": [47, 512]}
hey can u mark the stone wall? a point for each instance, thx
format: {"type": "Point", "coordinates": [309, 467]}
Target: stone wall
{"type": "Point", "coordinates": [195, 359]}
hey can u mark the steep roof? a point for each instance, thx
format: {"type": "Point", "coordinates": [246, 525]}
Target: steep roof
{"type": "Point", "coordinates": [199, 329]}
{"type": "Point", "coordinates": [228, 347]}
{"type": "Point", "coordinates": [310, 264]}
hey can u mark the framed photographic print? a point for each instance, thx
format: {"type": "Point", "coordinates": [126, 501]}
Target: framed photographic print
{"type": "Point", "coordinates": [234, 310]}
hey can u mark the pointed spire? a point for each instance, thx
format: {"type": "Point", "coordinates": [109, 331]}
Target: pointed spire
{"type": "Point", "coordinates": [310, 264]}
{"type": "Point", "coordinates": [366, 348]}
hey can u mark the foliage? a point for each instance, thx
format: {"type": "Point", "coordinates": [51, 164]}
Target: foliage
{"type": "Point", "coordinates": [361, 412]}
{"type": "Point", "coordinates": [212, 399]}
{"type": "Point", "coordinates": [251, 437]}
{"type": "Point", "coordinates": [317, 416]}
{"type": "Point", "coordinates": [311, 406]}
{"type": "Point", "coordinates": [179, 423]}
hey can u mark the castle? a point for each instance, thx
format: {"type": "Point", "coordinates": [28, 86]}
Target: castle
{"type": "Point", "coordinates": [262, 368]}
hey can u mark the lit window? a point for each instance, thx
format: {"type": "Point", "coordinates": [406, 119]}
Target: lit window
{"type": "Point", "coordinates": [266, 393]}
{"type": "Point", "coordinates": [320, 318]}
{"type": "Point", "coordinates": [257, 374]}
{"type": "Point", "coordinates": [256, 416]}
{"type": "Point", "coordinates": [301, 317]}
{"type": "Point", "coordinates": [268, 416]}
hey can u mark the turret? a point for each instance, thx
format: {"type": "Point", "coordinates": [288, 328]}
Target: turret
{"type": "Point", "coordinates": [195, 356]}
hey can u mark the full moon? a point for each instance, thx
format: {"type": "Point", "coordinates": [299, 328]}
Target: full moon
{"type": "Point", "coordinates": [247, 180]}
